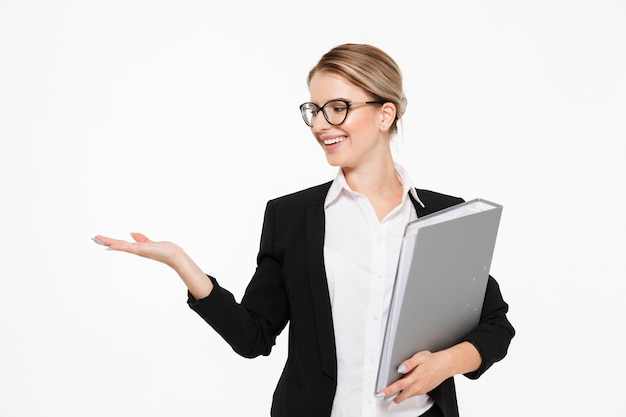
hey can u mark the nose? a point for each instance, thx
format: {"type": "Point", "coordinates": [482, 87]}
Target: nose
{"type": "Point", "coordinates": [319, 123]}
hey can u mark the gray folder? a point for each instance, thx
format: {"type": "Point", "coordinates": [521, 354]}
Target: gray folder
{"type": "Point", "coordinates": [440, 284]}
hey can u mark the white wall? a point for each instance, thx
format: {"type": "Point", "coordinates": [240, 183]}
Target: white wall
{"type": "Point", "coordinates": [180, 119]}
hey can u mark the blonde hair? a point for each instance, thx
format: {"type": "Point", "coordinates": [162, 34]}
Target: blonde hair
{"type": "Point", "coordinates": [368, 68]}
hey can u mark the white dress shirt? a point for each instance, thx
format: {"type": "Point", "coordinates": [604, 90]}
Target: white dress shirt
{"type": "Point", "coordinates": [361, 255]}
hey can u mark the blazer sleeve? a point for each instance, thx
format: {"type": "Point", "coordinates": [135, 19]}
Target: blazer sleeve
{"type": "Point", "coordinates": [494, 332]}
{"type": "Point", "coordinates": [250, 327]}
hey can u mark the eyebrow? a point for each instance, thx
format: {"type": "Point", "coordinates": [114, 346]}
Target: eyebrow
{"type": "Point", "coordinates": [333, 99]}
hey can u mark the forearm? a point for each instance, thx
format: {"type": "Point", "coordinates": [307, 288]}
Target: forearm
{"type": "Point", "coordinates": [460, 359]}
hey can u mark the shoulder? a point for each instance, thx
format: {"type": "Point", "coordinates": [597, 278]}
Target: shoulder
{"type": "Point", "coordinates": [291, 211]}
{"type": "Point", "coordinates": [312, 196]}
{"type": "Point", "coordinates": [434, 201]}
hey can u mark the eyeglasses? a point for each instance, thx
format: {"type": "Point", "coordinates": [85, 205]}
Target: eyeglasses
{"type": "Point", "coordinates": [335, 111]}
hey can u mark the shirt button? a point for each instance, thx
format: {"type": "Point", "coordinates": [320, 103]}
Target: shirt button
{"type": "Point", "coordinates": [375, 318]}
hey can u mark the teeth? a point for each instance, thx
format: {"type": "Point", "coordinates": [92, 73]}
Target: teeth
{"type": "Point", "coordinates": [335, 140]}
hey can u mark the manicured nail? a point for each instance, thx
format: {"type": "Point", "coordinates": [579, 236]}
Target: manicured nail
{"type": "Point", "coordinates": [391, 397]}
{"type": "Point", "coordinates": [99, 242]}
{"type": "Point", "coordinates": [380, 395]}
{"type": "Point", "coordinates": [401, 369]}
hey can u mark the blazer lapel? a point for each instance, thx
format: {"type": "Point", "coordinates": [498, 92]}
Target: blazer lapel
{"type": "Point", "coordinates": [319, 289]}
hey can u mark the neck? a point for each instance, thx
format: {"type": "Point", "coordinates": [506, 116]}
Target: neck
{"type": "Point", "coordinates": [375, 180]}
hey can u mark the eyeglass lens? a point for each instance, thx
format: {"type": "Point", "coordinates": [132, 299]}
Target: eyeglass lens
{"type": "Point", "coordinates": [335, 112]}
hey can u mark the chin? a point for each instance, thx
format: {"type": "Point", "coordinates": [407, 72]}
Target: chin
{"type": "Point", "coordinates": [333, 161]}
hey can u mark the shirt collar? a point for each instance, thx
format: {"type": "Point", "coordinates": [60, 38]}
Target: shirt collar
{"type": "Point", "coordinates": [340, 184]}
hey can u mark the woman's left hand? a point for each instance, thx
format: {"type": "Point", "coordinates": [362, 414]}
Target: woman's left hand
{"type": "Point", "coordinates": [422, 373]}
{"type": "Point", "coordinates": [426, 370]}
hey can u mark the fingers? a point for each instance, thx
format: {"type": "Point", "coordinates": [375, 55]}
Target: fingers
{"type": "Point", "coordinates": [121, 245]}
{"type": "Point", "coordinates": [165, 252]}
{"type": "Point", "coordinates": [103, 240]}
{"type": "Point", "coordinates": [411, 363]}
{"type": "Point", "coordinates": [405, 367]}
{"type": "Point", "coordinates": [412, 383]}
{"type": "Point", "coordinates": [391, 391]}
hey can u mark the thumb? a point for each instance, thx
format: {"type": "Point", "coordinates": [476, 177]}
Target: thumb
{"type": "Point", "coordinates": [139, 237]}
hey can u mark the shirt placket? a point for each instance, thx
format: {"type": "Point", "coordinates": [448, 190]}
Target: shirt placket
{"type": "Point", "coordinates": [374, 316]}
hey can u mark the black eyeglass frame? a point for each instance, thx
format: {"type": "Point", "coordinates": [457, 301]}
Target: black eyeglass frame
{"type": "Point", "coordinates": [323, 109]}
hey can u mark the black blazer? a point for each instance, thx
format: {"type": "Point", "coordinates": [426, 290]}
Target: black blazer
{"type": "Point", "coordinates": [289, 285]}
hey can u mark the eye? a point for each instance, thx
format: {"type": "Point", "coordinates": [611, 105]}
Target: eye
{"type": "Point", "coordinates": [338, 106]}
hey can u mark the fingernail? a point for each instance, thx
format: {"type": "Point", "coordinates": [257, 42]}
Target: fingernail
{"type": "Point", "coordinates": [99, 242]}
{"type": "Point", "coordinates": [401, 369]}
{"type": "Point", "coordinates": [379, 395]}
{"type": "Point", "coordinates": [391, 397]}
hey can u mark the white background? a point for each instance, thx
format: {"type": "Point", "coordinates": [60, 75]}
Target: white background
{"type": "Point", "coordinates": [180, 120]}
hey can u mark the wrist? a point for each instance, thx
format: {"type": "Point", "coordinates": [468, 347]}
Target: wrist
{"type": "Point", "coordinates": [179, 260]}
{"type": "Point", "coordinates": [460, 359]}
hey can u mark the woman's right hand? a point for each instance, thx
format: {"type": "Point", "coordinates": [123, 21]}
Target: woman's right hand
{"type": "Point", "coordinates": [166, 252]}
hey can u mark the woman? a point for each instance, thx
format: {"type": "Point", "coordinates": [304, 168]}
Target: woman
{"type": "Point", "coordinates": [327, 262]}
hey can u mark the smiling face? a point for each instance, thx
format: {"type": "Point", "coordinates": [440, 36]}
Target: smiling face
{"type": "Point", "coordinates": [363, 138]}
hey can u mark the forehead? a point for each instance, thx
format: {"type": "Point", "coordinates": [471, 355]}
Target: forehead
{"type": "Point", "coordinates": [326, 86]}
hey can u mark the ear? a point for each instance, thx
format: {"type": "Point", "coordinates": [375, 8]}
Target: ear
{"type": "Point", "coordinates": [388, 112]}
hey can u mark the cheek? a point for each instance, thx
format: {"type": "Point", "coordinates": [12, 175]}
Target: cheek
{"type": "Point", "coordinates": [358, 125]}
{"type": "Point", "coordinates": [363, 130]}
